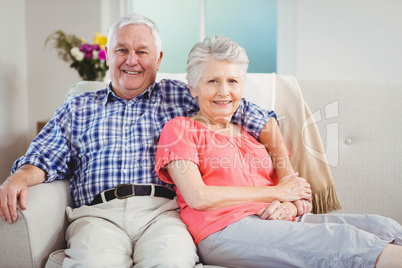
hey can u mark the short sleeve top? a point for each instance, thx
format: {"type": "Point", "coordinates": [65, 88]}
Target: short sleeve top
{"type": "Point", "coordinates": [222, 161]}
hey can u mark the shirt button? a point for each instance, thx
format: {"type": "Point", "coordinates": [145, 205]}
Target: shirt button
{"type": "Point", "coordinates": [125, 171]}
{"type": "Point", "coordinates": [166, 149]}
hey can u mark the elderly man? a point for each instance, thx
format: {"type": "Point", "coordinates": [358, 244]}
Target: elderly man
{"type": "Point", "coordinates": [104, 143]}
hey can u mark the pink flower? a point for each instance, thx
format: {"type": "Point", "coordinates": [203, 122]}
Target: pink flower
{"type": "Point", "coordinates": [88, 55]}
{"type": "Point", "coordinates": [102, 55]}
{"type": "Point", "coordinates": [86, 48]}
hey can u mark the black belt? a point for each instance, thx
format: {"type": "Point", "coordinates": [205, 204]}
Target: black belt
{"type": "Point", "coordinates": [123, 191]}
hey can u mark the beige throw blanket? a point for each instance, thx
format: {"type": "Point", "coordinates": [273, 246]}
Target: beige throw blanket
{"type": "Point", "coordinates": [293, 114]}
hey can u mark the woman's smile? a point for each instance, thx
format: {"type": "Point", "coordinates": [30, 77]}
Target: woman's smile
{"type": "Point", "coordinates": [222, 103]}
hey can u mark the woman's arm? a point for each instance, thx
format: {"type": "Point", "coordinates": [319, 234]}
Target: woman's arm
{"type": "Point", "coordinates": [198, 195]}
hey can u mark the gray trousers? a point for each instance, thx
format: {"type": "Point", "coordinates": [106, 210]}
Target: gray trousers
{"type": "Point", "coordinates": [324, 240]}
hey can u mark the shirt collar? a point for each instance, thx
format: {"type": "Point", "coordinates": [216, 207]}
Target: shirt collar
{"type": "Point", "coordinates": [110, 96]}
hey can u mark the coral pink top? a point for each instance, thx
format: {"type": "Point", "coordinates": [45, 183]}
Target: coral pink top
{"type": "Point", "coordinates": [222, 161]}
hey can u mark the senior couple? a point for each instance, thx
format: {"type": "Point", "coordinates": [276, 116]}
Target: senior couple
{"type": "Point", "coordinates": [249, 215]}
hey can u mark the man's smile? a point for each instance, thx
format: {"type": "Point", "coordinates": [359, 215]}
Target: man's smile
{"type": "Point", "coordinates": [130, 72]}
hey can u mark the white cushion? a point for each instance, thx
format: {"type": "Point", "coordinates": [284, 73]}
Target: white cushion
{"type": "Point", "coordinates": [259, 88]}
{"type": "Point", "coordinates": [85, 86]}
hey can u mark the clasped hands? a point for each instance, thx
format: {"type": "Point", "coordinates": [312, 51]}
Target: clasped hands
{"type": "Point", "coordinates": [294, 199]}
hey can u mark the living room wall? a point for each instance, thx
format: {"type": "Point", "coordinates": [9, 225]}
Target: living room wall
{"type": "Point", "coordinates": [13, 85]}
{"type": "Point", "coordinates": [33, 80]}
{"type": "Point", "coordinates": [343, 39]}
{"type": "Point", "coordinates": [330, 39]}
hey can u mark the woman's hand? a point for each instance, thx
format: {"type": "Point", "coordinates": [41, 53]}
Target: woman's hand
{"type": "Point", "coordinates": [292, 188]}
{"type": "Point", "coordinates": [278, 211]}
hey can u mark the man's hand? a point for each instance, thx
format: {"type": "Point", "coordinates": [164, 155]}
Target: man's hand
{"type": "Point", "coordinates": [292, 188]}
{"type": "Point", "coordinates": [303, 206]}
{"type": "Point", "coordinates": [16, 187]}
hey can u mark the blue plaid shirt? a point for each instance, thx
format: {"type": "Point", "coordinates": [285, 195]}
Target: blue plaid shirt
{"type": "Point", "coordinates": [98, 140]}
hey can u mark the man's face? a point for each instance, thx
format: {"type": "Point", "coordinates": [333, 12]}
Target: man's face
{"type": "Point", "coordinates": [133, 61]}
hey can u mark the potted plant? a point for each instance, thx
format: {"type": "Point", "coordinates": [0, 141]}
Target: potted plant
{"type": "Point", "coordinates": [88, 59]}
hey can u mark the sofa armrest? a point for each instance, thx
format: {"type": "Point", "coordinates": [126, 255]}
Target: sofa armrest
{"type": "Point", "coordinates": [39, 229]}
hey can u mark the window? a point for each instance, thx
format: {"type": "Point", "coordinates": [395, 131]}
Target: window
{"type": "Point", "coordinates": [251, 23]}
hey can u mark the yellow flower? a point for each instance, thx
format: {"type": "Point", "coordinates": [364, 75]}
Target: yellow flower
{"type": "Point", "coordinates": [101, 40]}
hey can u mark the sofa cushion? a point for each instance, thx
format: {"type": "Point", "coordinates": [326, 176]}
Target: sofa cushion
{"type": "Point", "coordinates": [258, 88]}
{"type": "Point", "coordinates": [56, 259]}
{"type": "Point", "coordinates": [361, 128]}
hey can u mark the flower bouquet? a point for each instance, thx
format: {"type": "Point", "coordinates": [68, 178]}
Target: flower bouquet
{"type": "Point", "coordinates": [88, 59]}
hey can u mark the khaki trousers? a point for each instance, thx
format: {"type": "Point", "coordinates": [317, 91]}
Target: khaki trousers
{"type": "Point", "coordinates": [138, 231]}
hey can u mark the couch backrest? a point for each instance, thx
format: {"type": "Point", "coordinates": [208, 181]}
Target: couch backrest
{"type": "Point", "coordinates": [361, 130]}
{"type": "Point", "coordinates": [258, 88]}
{"type": "Point", "coordinates": [85, 86]}
{"type": "Point", "coordinates": [361, 127]}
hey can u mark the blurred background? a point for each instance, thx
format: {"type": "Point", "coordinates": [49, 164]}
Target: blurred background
{"type": "Point", "coordinates": [310, 39]}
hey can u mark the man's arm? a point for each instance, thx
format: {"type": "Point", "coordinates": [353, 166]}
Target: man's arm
{"type": "Point", "coordinates": [271, 137]}
{"type": "Point", "coordinates": [16, 186]}
{"type": "Point", "coordinates": [46, 159]}
{"type": "Point", "coordinates": [273, 141]}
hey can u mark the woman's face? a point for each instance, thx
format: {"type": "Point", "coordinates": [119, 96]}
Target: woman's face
{"type": "Point", "coordinates": [219, 90]}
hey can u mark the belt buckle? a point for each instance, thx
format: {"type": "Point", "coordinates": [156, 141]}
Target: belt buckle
{"type": "Point", "coordinates": [124, 196]}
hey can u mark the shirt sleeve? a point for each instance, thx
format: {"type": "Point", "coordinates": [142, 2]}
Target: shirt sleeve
{"type": "Point", "coordinates": [175, 143]}
{"type": "Point", "coordinates": [252, 117]}
{"type": "Point", "coordinates": [49, 150]}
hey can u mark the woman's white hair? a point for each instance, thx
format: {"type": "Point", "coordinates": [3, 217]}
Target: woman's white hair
{"type": "Point", "coordinates": [219, 48]}
{"type": "Point", "coordinates": [135, 19]}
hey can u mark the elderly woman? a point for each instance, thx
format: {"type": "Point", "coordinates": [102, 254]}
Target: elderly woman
{"type": "Point", "coordinates": [238, 210]}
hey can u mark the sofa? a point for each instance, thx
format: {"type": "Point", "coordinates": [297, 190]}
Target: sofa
{"type": "Point", "coordinates": [361, 133]}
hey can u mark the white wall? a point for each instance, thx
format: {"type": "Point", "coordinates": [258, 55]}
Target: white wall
{"type": "Point", "coordinates": [13, 84]}
{"type": "Point", "coordinates": [33, 80]}
{"type": "Point", "coordinates": [49, 77]}
{"type": "Point", "coordinates": [343, 39]}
